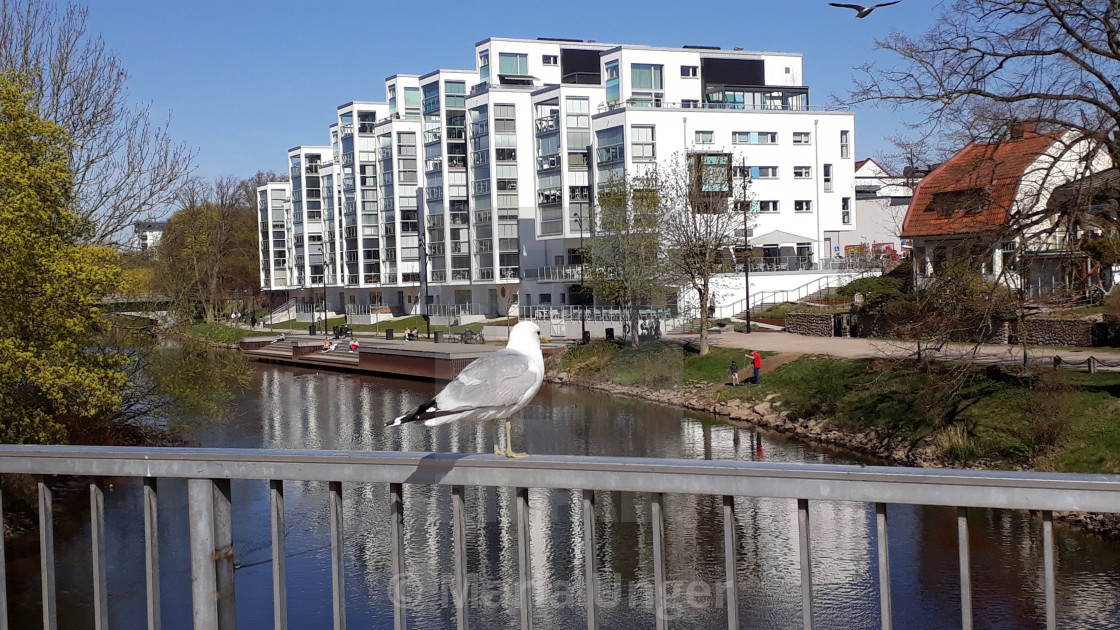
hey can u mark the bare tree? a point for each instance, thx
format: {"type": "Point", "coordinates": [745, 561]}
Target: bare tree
{"type": "Point", "coordinates": [986, 63]}
{"type": "Point", "coordinates": [702, 205]}
{"type": "Point", "coordinates": [625, 254]}
{"type": "Point", "coordinates": [125, 166]}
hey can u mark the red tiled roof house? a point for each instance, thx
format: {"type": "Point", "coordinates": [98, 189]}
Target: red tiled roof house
{"type": "Point", "coordinates": [988, 204]}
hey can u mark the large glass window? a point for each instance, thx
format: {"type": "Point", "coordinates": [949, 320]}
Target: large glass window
{"type": "Point", "coordinates": [456, 93]}
{"type": "Point", "coordinates": [484, 66]}
{"type": "Point", "coordinates": [613, 92]}
{"type": "Point", "coordinates": [641, 143]}
{"type": "Point", "coordinates": [578, 113]}
{"type": "Point", "coordinates": [828, 178]}
{"type": "Point", "coordinates": [646, 83]}
{"type": "Point", "coordinates": [412, 102]}
{"type": "Point", "coordinates": [845, 146]}
{"type": "Point", "coordinates": [513, 63]}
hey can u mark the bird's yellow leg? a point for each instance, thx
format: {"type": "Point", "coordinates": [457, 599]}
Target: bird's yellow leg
{"type": "Point", "coordinates": [509, 444]}
{"type": "Point", "coordinates": [494, 434]}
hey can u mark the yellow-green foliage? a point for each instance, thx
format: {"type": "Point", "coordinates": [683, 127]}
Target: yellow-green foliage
{"type": "Point", "coordinates": [51, 372]}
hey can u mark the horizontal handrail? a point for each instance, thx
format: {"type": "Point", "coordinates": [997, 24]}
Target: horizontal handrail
{"type": "Point", "coordinates": [918, 486]}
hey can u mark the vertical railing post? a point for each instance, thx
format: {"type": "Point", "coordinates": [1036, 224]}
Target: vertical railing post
{"type": "Point", "coordinates": [396, 553]}
{"type": "Point", "coordinates": [524, 564]}
{"type": "Point", "coordinates": [459, 538]}
{"type": "Point", "coordinates": [204, 586]}
{"type": "Point", "coordinates": [151, 552]}
{"type": "Point", "coordinates": [223, 554]}
{"type": "Point", "coordinates": [966, 577]}
{"type": "Point", "coordinates": [338, 556]}
{"type": "Point", "coordinates": [590, 568]}
{"type": "Point", "coordinates": [279, 556]}
{"type": "Point", "coordinates": [1049, 569]}
{"type": "Point", "coordinates": [884, 565]}
{"type": "Point", "coordinates": [97, 555]}
{"type": "Point", "coordinates": [3, 570]}
{"type": "Point", "coordinates": [806, 563]}
{"type": "Point", "coordinates": [657, 522]}
{"type": "Point", "coordinates": [46, 554]}
{"type": "Point", "coordinates": [730, 549]}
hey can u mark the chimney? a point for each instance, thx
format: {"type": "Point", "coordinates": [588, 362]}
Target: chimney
{"type": "Point", "coordinates": [1015, 130]}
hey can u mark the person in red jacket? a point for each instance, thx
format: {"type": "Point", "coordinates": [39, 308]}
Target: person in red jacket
{"type": "Point", "coordinates": [755, 360]}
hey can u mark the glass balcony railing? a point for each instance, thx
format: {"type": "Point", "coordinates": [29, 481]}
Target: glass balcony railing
{"type": "Point", "coordinates": [548, 124]}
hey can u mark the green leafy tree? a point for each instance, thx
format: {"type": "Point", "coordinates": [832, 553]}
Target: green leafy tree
{"type": "Point", "coordinates": [208, 256]}
{"type": "Point", "coordinates": [53, 374]}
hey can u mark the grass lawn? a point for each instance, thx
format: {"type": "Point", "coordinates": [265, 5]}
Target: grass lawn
{"type": "Point", "coordinates": [1063, 421]}
{"type": "Point", "coordinates": [223, 333]}
{"type": "Point", "coordinates": [653, 363]}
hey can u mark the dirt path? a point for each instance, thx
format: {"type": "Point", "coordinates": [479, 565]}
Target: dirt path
{"type": "Point", "coordinates": [848, 347]}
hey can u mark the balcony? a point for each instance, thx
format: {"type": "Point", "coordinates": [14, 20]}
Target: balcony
{"type": "Point", "coordinates": [486, 273]}
{"type": "Point", "coordinates": [509, 273]}
{"type": "Point", "coordinates": [564, 273]}
{"type": "Point", "coordinates": [480, 128]}
{"type": "Point", "coordinates": [433, 136]}
{"type": "Point", "coordinates": [460, 275]}
{"type": "Point", "coordinates": [346, 130]}
{"type": "Point", "coordinates": [312, 169]}
{"type": "Point", "coordinates": [456, 133]}
{"type": "Point", "coordinates": [549, 162]}
{"type": "Point", "coordinates": [482, 217]}
{"type": "Point", "coordinates": [439, 275]}
{"type": "Point", "coordinates": [365, 128]}
{"type": "Point", "coordinates": [548, 124]}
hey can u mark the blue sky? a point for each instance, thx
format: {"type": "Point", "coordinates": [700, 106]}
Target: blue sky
{"type": "Point", "coordinates": [246, 81]}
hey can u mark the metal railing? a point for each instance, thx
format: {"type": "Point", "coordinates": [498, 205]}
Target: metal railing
{"type": "Point", "coordinates": [592, 313]}
{"type": "Point", "coordinates": [209, 473]}
{"type": "Point", "coordinates": [452, 310]}
{"type": "Point", "coordinates": [760, 299]}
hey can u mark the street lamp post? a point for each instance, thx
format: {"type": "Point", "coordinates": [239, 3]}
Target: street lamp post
{"type": "Point", "coordinates": [424, 279]}
{"type": "Point", "coordinates": [747, 269]}
{"type": "Point", "coordinates": [582, 266]}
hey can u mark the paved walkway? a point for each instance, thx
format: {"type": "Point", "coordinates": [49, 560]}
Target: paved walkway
{"type": "Point", "coordinates": [877, 348]}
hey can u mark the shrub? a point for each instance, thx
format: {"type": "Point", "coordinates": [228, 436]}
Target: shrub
{"type": "Point", "coordinates": [584, 360]}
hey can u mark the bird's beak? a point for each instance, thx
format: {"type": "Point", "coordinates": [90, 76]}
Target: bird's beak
{"type": "Point", "coordinates": [544, 339]}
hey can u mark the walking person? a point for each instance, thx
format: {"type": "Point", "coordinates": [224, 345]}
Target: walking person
{"type": "Point", "coordinates": [756, 362]}
{"type": "Point", "coordinates": [734, 373]}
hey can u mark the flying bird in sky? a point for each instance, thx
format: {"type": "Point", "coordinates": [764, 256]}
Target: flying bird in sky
{"type": "Point", "coordinates": [862, 11]}
{"type": "Point", "coordinates": [492, 387]}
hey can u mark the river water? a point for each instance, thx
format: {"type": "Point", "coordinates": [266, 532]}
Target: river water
{"type": "Point", "coordinates": [295, 408]}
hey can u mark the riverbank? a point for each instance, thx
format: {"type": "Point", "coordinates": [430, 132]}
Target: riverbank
{"type": "Point", "coordinates": [937, 414]}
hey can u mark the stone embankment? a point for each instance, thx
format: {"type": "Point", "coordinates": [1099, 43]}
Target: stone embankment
{"type": "Point", "coordinates": [769, 415]}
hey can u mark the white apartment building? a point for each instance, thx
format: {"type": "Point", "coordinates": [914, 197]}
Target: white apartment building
{"type": "Point", "coordinates": [146, 235]}
{"type": "Point", "coordinates": [485, 177]}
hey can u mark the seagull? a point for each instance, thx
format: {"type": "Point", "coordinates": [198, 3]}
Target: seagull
{"type": "Point", "coordinates": [492, 387]}
{"type": "Point", "coordinates": [861, 11]}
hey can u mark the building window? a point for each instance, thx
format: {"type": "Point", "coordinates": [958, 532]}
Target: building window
{"type": "Point", "coordinates": [690, 72]}
{"type": "Point", "coordinates": [802, 172]}
{"type": "Point", "coordinates": [828, 178]}
{"type": "Point", "coordinates": [646, 85]}
{"type": "Point", "coordinates": [690, 104]}
{"type": "Point", "coordinates": [484, 66]}
{"type": "Point", "coordinates": [756, 172]}
{"type": "Point", "coordinates": [578, 112]}
{"type": "Point", "coordinates": [764, 206]}
{"type": "Point", "coordinates": [845, 147]}
{"type": "Point", "coordinates": [550, 60]}
{"type": "Point", "coordinates": [513, 63]}
{"type": "Point", "coordinates": [754, 137]}
{"type": "Point", "coordinates": [703, 137]}
{"type": "Point", "coordinates": [846, 210]}
{"type": "Point", "coordinates": [711, 174]}
{"type": "Point", "coordinates": [611, 74]}
{"type": "Point", "coordinates": [641, 143]}
{"type": "Point", "coordinates": [610, 147]}
{"type": "Point", "coordinates": [802, 137]}
{"type": "Point", "coordinates": [803, 205]}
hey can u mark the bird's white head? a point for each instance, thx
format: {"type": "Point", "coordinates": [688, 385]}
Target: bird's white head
{"type": "Point", "coordinates": [525, 337]}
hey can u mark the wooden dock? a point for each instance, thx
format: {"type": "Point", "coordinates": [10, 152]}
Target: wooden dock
{"type": "Point", "coordinates": [408, 359]}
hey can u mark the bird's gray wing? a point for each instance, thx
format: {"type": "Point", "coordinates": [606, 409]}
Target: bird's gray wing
{"type": "Point", "coordinates": [495, 380]}
{"type": "Point", "coordinates": [847, 6]}
{"type": "Point", "coordinates": [886, 4]}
